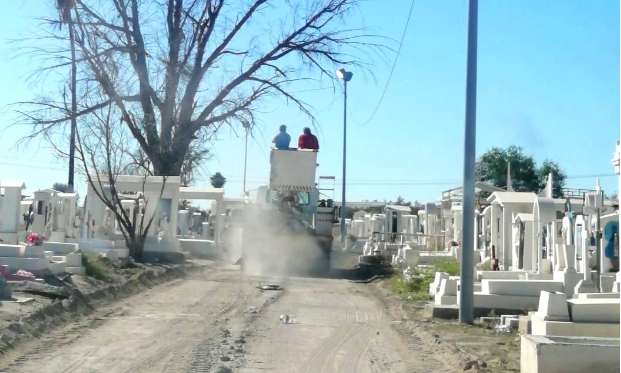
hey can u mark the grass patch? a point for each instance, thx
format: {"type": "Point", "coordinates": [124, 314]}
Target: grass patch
{"type": "Point", "coordinates": [417, 288]}
{"type": "Point", "coordinates": [95, 267]}
{"type": "Point", "coordinates": [487, 324]}
{"type": "Point", "coordinates": [448, 266]}
{"type": "Point", "coordinates": [486, 266]}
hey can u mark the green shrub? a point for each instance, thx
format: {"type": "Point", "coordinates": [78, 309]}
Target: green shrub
{"type": "Point", "coordinates": [417, 288]}
{"type": "Point", "coordinates": [95, 267]}
{"type": "Point", "coordinates": [486, 266]}
{"type": "Point", "coordinates": [448, 266]}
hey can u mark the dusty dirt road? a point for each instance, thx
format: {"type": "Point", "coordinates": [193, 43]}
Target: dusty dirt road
{"type": "Point", "coordinates": [219, 321]}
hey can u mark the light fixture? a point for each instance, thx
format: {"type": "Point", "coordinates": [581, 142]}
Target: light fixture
{"type": "Point", "coordinates": [344, 75]}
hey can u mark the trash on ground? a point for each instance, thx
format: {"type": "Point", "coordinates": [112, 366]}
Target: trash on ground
{"type": "Point", "coordinates": [287, 319]}
{"type": "Point", "coordinates": [502, 329]}
{"type": "Point", "coordinates": [367, 281]}
{"type": "Point", "coordinates": [19, 300]}
{"type": "Point", "coordinates": [270, 287]}
{"type": "Point", "coordinates": [407, 274]}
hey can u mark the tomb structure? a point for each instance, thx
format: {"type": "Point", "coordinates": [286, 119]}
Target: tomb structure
{"type": "Point", "coordinates": [10, 213]}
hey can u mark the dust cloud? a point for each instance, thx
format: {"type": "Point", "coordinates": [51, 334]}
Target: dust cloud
{"type": "Point", "coordinates": [274, 243]}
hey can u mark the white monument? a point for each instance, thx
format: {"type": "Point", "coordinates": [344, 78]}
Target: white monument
{"type": "Point", "coordinates": [10, 215]}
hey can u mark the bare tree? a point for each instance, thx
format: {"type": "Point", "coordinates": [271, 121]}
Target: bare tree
{"type": "Point", "coordinates": [177, 70]}
{"type": "Point", "coordinates": [103, 151]}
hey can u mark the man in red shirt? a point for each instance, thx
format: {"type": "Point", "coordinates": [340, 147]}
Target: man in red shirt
{"type": "Point", "coordinates": [307, 140]}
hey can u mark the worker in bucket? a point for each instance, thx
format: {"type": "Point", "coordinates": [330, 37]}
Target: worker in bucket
{"type": "Point", "coordinates": [307, 140]}
{"type": "Point", "coordinates": [282, 140]}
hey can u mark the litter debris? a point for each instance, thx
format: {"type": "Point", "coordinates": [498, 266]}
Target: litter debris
{"type": "Point", "coordinates": [407, 274]}
{"type": "Point", "coordinates": [18, 276]}
{"type": "Point", "coordinates": [35, 288]}
{"type": "Point", "coordinates": [287, 319]}
{"type": "Point", "coordinates": [270, 287]}
{"type": "Point", "coordinates": [367, 281]}
{"type": "Point", "coordinates": [501, 329]}
{"type": "Point", "coordinates": [19, 300]}
{"type": "Point", "coordinates": [472, 364]}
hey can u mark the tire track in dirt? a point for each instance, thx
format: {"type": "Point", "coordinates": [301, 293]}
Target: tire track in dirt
{"type": "Point", "coordinates": [354, 359]}
{"type": "Point", "coordinates": [184, 349]}
{"type": "Point", "coordinates": [165, 336]}
{"type": "Point", "coordinates": [321, 356]}
{"type": "Point", "coordinates": [350, 341]}
{"type": "Point", "coordinates": [214, 345]}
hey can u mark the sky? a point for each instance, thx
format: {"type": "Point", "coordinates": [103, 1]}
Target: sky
{"type": "Point", "coordinates": [548, 80]}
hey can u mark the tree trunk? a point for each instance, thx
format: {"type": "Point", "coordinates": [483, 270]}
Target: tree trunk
{"type": "Point", "coordinates": [171, 163]}
{"type": "Point", "coordinates": [136, 248]}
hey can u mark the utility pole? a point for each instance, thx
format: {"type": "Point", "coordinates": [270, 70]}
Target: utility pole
{"type": "Point", "coordinates": [246, 127]}
{"type": "Point", "coordinates": [346, 77]}
{"type": "Point", "coordinates": [343, 215]}
{"type": "Point", "coordinates": [599, 203]}
{"type": "Point", "coordinates": [74, 104]}
{"type": "Point", "coordinates": [466, 295]}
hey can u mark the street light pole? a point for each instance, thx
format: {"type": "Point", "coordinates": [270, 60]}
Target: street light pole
{"type": "Point", "coordinates": [343, 227]}
{"type": "Point", "coordinates": [466, 295]}
{"type": "Point", "coordinates": [245, 160]}
{"type": "Point", "coordinates": [346, 77]}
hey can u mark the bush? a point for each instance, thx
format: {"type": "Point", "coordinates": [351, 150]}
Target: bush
{"type": "Point", "coordinates": [485, 266]}
{"type": "Point", "coordinates": [448, 266]}
{"type": "Point", "coordinates": [95, 267]}
{"type": "Point", "coordinates": [417, 288]}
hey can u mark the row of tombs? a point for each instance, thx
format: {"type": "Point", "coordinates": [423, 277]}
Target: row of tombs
{"type": "Point", "coordinates": [514, 231]}
{"type": "Point", "coordinates": [69, 230]}
{"type": "Point", "coordinates": [549, 267]}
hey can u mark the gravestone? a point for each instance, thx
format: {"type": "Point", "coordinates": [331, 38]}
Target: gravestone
{"type": "Point", "coordinates": [553, 306]}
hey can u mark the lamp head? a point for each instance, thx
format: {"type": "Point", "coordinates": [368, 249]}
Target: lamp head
{"type": "Point", "coordinates": [344, 75]}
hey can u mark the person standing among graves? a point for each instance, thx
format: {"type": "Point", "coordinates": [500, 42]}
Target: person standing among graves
{"type": "Point", "coordinates": [29, 217]}
{"type": "Point", "coordinates": [307, 140]}
{"type": "Point", "coordinates": [282, 140]}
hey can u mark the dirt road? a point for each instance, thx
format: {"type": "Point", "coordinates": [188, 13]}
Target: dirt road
{"type": "Point", "coordinates": [219, 321]}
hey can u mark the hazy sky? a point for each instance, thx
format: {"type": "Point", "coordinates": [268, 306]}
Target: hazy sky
{"type": "Point", "coordinates": [548, 81]}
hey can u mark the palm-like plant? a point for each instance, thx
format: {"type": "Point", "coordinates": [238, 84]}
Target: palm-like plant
{"type": "Point", "coordinates": [217, 180]}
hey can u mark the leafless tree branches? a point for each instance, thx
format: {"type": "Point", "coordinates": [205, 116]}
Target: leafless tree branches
{"type": "Point", "coordinates": [156, 63]}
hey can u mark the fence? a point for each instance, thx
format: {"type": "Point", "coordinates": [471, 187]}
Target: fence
{"type": "Point", "coordinates": [428, 241]}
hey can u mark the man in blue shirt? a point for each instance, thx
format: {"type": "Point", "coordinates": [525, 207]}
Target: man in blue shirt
{"type": "Point", "coordinates": [282, 140]}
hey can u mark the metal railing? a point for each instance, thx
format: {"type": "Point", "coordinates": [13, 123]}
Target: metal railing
{"type": "Point", "coordinates": [429, 242]}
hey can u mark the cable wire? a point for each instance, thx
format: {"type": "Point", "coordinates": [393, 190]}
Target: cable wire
{"type": "Point", "coordinates": [392, 70]}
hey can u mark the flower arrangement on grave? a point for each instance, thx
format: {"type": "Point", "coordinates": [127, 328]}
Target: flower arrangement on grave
{"type": "Point", "coordinates": [36, 239]}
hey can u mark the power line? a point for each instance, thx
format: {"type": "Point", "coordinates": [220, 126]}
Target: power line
{"type": "Point", "coordinates": [312, 90]}
{"type": "Point", "coordinates": [392, 70]}
{"type": "Point", "coordinates": [590, 176]}
{"type": "Point", "coordinates": [319, 112]}
{"type": "Point", "coordinates": [31, 166]}
{"type": "Point", "coordinates": [35, 160]}
{"type": "Point", "coordinates": [396, 181]}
